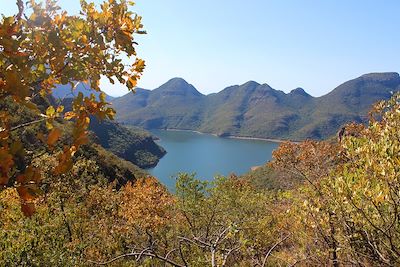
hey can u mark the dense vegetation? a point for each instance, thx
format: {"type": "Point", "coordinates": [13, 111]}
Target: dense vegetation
{"type": "Point", "coordinates": [316, 204]}
{"type": "Point", "coordinates": [129, 143]}
{"type": "Point", "coordinates": [333, 203]}
{"type": "Point", "coordinates": [256, 110]}
{"type": "Point", "coordinates": [108, 166]}
{"type": "Point", "coordinates": [42, 47]}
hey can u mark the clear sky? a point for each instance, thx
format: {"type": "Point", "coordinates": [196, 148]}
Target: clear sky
{"type": "Point", "coordinates": [313, 44]}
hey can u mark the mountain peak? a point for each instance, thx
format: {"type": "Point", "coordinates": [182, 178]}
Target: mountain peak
{"type": "Point", "coordinates": [250, 84]}
{"type": "Point", "coordinates": [251, 109]}
{"type": "Point", "coordinates": [178, 85]}
{"type": "Point", "coordinates": [176, 82]}
{"type": "Point", "coordinates": [299, 91]}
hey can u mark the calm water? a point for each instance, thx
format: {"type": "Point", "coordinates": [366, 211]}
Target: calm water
{"type": "Point", "coordinates": [207, 155]}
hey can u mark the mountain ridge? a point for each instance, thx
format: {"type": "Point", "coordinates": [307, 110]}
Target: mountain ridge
{"type": "Point", "coordinates": [255, 110]}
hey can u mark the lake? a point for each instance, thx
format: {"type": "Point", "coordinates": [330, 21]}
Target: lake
{"type": "Point", "coordinates": [207, 155]}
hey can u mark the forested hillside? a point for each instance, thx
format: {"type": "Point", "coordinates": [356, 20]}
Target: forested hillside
{"type": "Point", "coordinates": [130, 143]}
{"type": "Point", "coordinates": [256, 110]}
{"type": "Point", "coordinates": [316, 204]}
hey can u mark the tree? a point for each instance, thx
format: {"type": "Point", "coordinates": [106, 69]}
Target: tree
{"type": "Point", "coordinates": [349, 205]}
{"type": "Point", "coordinates": [312, 162]}
{"type": "Point", "coordinates": [42, 46]}
{"type": "Point", "coordinates": [367, 188]}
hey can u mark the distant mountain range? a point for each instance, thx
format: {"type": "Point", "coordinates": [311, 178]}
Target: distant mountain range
{"type": "Point", "coordinates": [255, 110]}
{"type": "Point", "coordinates": [65, 91]}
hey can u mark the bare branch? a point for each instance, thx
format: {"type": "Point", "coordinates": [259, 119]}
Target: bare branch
{"type": "Point", "coordinates": [169, 252]}
{"type": "Point", "coordinates": [221, 236]}
{"type": "Point", "coordinates": [20, 5]}
{"type": "Point", "coordinates": [196, 242]}
{"type": "Point", "coordinates": [225, 257]}
{"type": "Point", "coordinates": [27, 124]}
{"type": "Point", "coordinates": [272, 248]}
{"type": "Point", "coordinates": [139, 254]}
{"type": "Point", "coordinates": [181, 253]}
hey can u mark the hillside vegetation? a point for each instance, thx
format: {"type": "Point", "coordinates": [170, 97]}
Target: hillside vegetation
{"type": "Point", "coordinates": [256, 110]}
{"type": "Point", "coordinates": [66, 201]}
{"type": "Point", "coordinates": [316, 204]}
{"type": "Point", "coordinates": [105, 166]}
{"type": "Point", "coordinates": [130, 143]}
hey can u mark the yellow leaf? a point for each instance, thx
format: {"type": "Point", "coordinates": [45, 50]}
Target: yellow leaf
{"type": "Point", "coordinates": [69, 115]}
{"type": "Point", "coordinates": [49, 125]}
{"type": "Point", "coordinates": [50, 111]}
{"type": "Point", "coordinates": [102, 97]}
{"type": "Point", "coordinates": [140, 65]}
{"type": "Point", "coordinates": [60, 109]}
{"type": "Point", "coordinates": [132, 81]}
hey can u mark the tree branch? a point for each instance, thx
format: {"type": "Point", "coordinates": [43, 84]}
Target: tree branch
{"type": "Point", "coordinates": [26, 124]}
{"type": "Point", "coordinates": [139, 254]}
{"type": "Point", "coordinates": [272, 248]}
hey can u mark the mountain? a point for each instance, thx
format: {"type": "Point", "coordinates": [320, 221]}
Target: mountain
{"type": "Point", "coordinates": [65, 91]}
{"type": "Point", "coordinates": [251, 109]}
{"type": "Point", "coordinates": [92, 163]}
{"type": "Point", "coordinates": [175, 104]}
{"type": "Point", "coordinates": [129, 143]}
{"type": "Point", "coordinates": [350, 101]}
{"type": "Point", "coordinates": [254, 109]}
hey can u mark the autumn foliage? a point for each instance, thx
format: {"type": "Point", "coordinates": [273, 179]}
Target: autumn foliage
{"type": "Point", "coordinates": [43, 46]}
{"type": "Point", "coordinates": [342, 211]}
{"type": "Point", "coordinates": [343, 208]}
{"type": "Point", "coordinates": [349, 204]}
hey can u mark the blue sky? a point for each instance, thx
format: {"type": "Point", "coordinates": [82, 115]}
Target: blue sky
{"type": "Point", "coordinates": [311, 44]}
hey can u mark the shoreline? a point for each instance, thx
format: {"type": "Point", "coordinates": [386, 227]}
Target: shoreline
{"type": "Point", "coordinates": [272, 140]}
{"type": "Point", "coordinates": [183, 130]}
{"type": "Point", "coordinates": [257, 138]}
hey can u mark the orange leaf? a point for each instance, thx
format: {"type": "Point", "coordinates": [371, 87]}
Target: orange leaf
{"type": "Point", "coordinates": [54, 135]}
{"type": "Point", "coordinates": [132, 81]}
{"type": "Point", "coordinates": [21, 178]}
{"type": "Point", "coordinates": [65, 161]}
{"type": "Point", "coordinates": [69, 115]}
{"type": "Point", "coordinates": [25, 194]}
{"type": "Point", "coordinates": [31, 175]}
{"type": "Point", "coordinates": [4, 180]}
{"type": "Point", "coordinates": [28, 209]}
{"type": "Point", "coordinates": [6, 161]}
